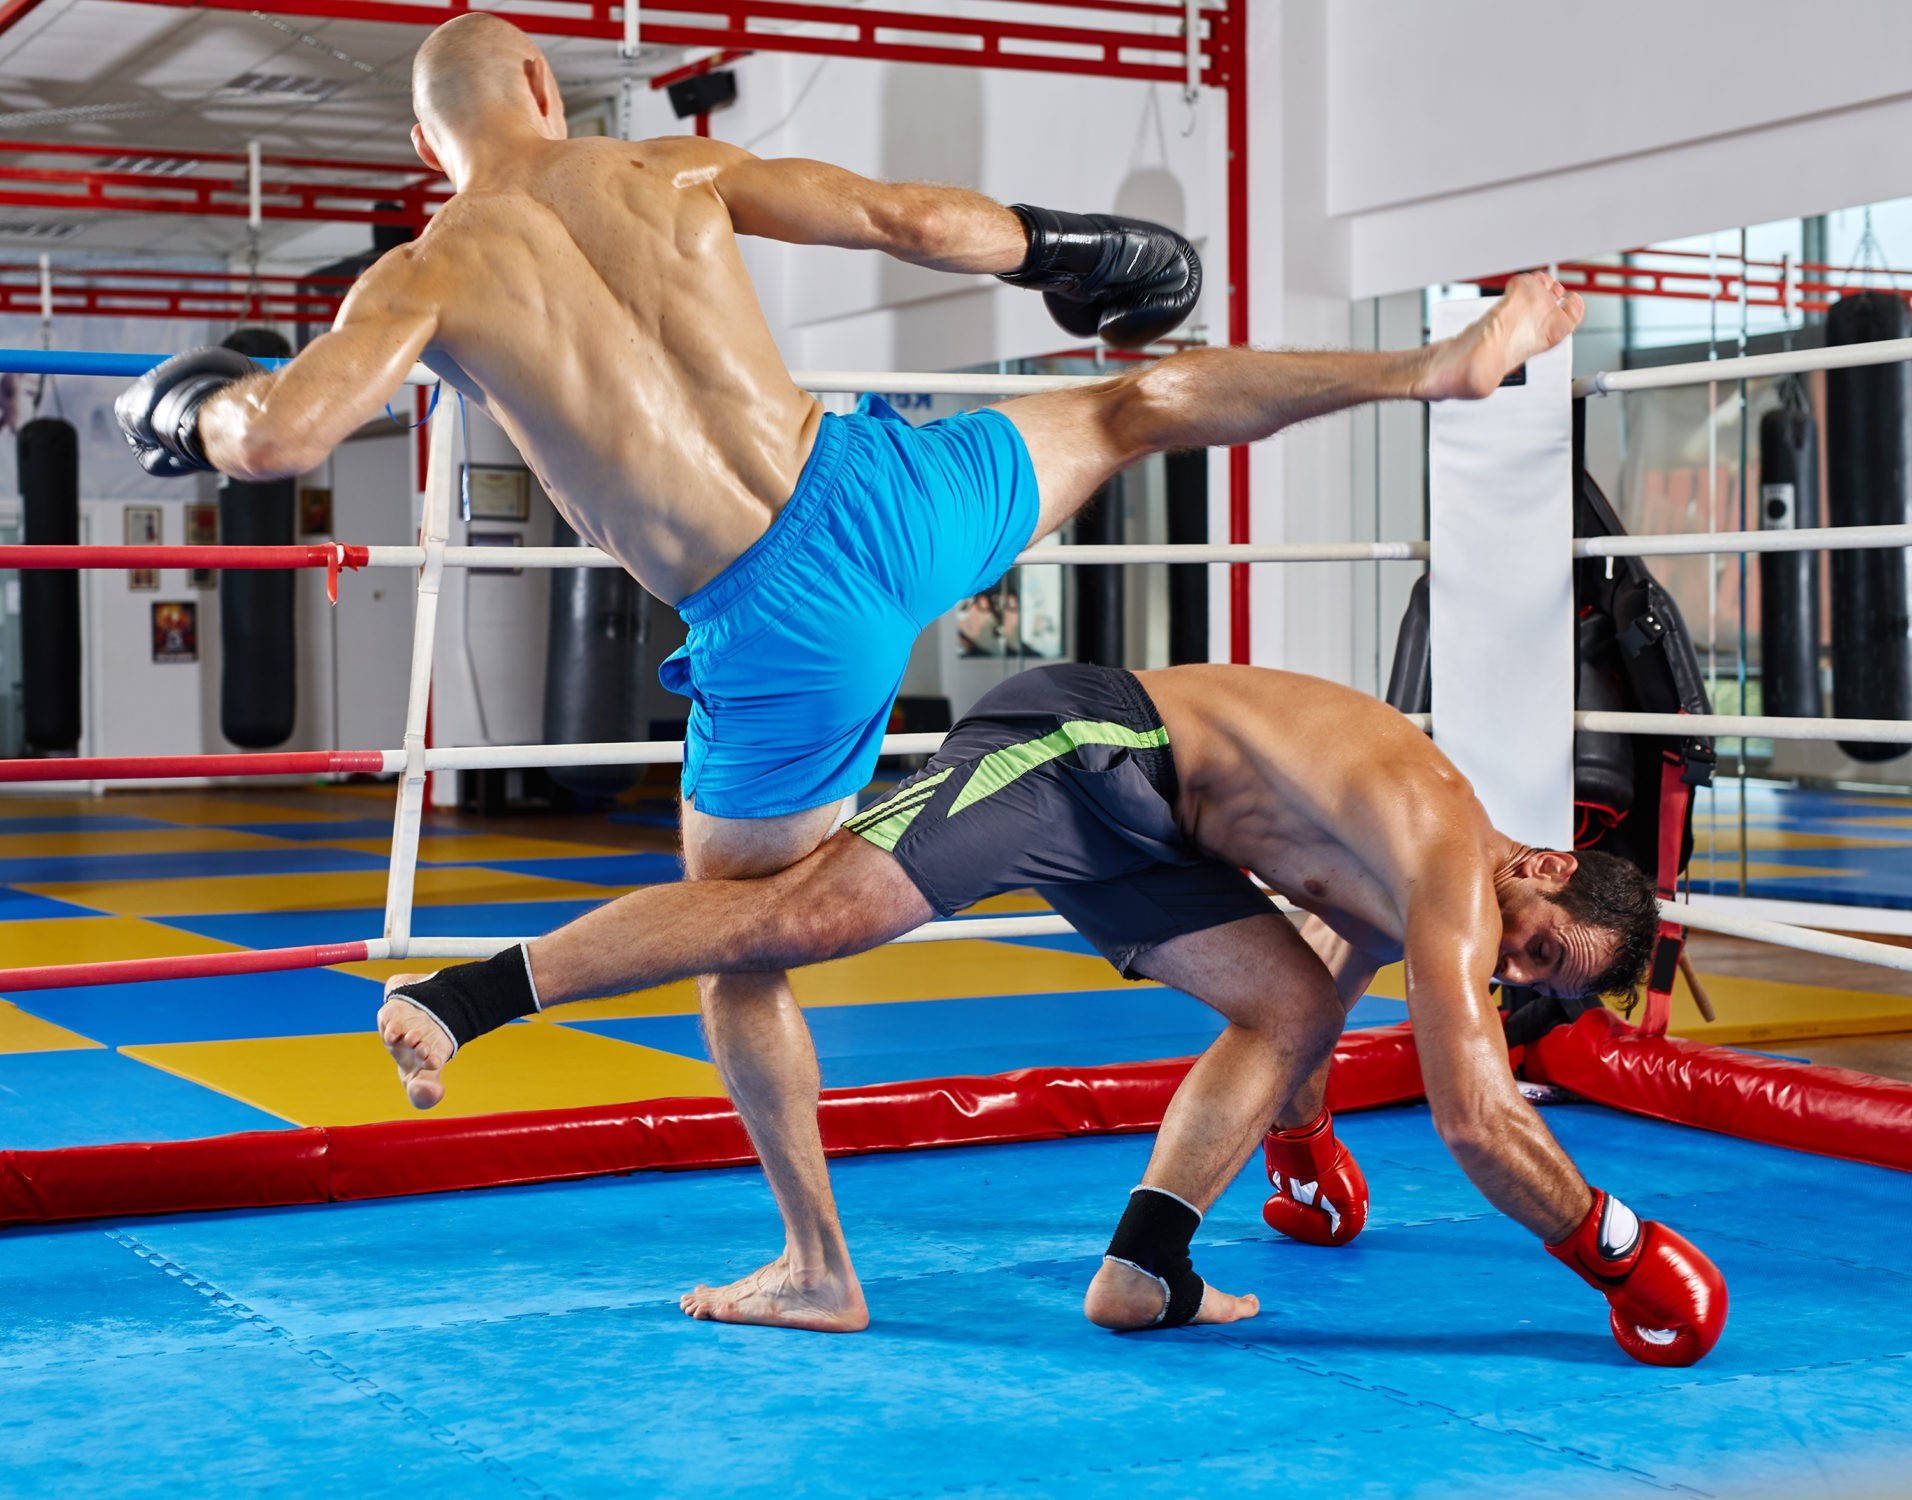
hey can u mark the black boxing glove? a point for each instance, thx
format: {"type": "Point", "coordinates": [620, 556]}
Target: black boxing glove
{"type": "Point", "coordinates": [1128, 280]}
{"type": "Point", "coordinates": [159, 412]}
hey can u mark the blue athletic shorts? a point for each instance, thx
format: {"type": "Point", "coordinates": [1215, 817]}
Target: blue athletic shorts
{"type": "Point", "coordinates": [796, 649]}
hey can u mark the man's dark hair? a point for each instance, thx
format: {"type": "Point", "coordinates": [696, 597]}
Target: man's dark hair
{"type": "Point", "coordinates": [1615, 896]}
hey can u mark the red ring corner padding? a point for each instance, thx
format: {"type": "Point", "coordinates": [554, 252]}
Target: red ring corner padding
{"type": "Point", "coordinates": [319, 1164]}
{"type": "Point", "coordinates": [1828, 1111]}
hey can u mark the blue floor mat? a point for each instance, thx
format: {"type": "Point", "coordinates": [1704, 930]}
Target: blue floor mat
{"type": "Point", "coordinates": [541, 1352]}
{"type": "Point", "coordinates": [299, 1002]}
{"type": "Point", "coordinates": [54, 868]}
{"type": "Point", "coordinates": [601, 869]}
{"type": "Point", "coordinates": [94, 1097]}
{"type": "Point", "coordinates": [21, 906]}
{"type": "Point", "coordinates": [292, 929]}
{"type": "Point", "coordinates": [325, 832]}
{"type": "Point", "coordinates": [78, 823]}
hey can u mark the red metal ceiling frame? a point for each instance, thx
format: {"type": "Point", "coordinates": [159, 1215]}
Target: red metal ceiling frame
{"type": "Point", "coordinates": [737, 25]}
{"type": "Point", "coordinates": [222, 190]}
{"type": "Point", "coordinates": [1790, 289]}
{"type": "Point", "coordinates": [145, 292]}
{"type": "Point", "coordinates": [971, 41]}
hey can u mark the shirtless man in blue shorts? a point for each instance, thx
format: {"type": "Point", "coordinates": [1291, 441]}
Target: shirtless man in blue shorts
{"type": "Point", "coordinates": [589, 294]}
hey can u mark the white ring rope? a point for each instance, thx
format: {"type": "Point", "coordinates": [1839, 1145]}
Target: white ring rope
{"type": "Point", "coordinates": [1702, 543]}
{"type": "Point", "coordinates": [1747, 367]}
{"type": "Point", "coordinates": [1805, 939]}
{"type": "Point", "coordinates": [898, 382]}
{"type": "Point", "coordinates": [1750, 726]}
{"type": "Point", "coordinates": [1079, 556]}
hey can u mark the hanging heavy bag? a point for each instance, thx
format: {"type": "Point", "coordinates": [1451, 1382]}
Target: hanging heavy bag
{"type": "Point", "coordinates": [49, 453]}
{"type": "Point", "coordinates": [258, 654]}
{"type": "Point", "coordinates": [1867, 446]}
{"type": "Point", "coordinates": [594, 668]}
{"type": "Point", "coordinates": [1789, 581]}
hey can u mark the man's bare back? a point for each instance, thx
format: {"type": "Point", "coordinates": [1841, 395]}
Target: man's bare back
{"type": "Point", "coordinates": [590, 295]}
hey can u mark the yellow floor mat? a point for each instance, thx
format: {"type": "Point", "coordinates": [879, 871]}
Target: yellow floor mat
{"type": "Point", "coordinates": [1758, 1011]}
{"type": "Point", "coordinates": [349, 1079]}
{"type": "Point", "coordinates": [480, 848]}
{"type": "Point", "coordinates": [20, 1032]}
{"type": "Point", "coordinates": [83, 940]}
{"type": "Point", "coordinates": [132, 841]}
{"type": "Point", "coordinates": [330, 890]}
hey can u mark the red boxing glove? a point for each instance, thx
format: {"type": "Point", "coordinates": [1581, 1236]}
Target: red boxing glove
{"type": "Point", "coordinates": [1668, 1301]}
{"type": "Point", "coordinates": [1320, 1198]}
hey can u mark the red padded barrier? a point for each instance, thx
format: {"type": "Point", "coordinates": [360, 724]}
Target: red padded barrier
{"type": "Point", "coordinates": [316, 1165]}
{"type": "Point", "coordinates": [1829, 1111]}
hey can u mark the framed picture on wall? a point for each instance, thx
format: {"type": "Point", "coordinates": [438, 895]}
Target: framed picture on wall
{"type": "Point", "coordinates": [143, 580]}
{"type": "Point", "coordinates": [145, 526]}
{"type": "Point", "coordinates": [202, 530]}
{"type": "Point", "coordinates": [175, 630]}
{"type": "Point", "coordinates": [498, 492]}
{"type": "Point", "coordinates": [315, 512]}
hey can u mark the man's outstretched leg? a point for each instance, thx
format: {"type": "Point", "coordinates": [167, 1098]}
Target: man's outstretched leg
{"type": "Point", "coordinates": [1283, 1018]}
{"type": "Point", "coordinates": [1209, 398]}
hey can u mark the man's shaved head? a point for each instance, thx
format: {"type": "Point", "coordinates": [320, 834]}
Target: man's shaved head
{"type": "Point", "coordinates": [477, 76]}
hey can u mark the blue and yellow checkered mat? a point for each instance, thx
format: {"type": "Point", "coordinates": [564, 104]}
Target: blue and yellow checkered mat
{"type": "Point", "coordinates": [526, 1341]}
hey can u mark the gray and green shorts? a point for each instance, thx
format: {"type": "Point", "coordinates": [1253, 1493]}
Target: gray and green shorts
{"type": "Point", "coordinates": [1061, 778]}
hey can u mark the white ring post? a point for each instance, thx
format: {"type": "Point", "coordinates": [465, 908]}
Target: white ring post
{"type": "Point", "coordinates": [435, 527]}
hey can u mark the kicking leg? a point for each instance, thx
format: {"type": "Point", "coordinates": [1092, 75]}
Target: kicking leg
{"type": "Point", "coordinates": [845, 897]}
{"type": "Point", "coordinates": [1205, 398]}
{"type": "Point", "coordinates": [1283, 1018]}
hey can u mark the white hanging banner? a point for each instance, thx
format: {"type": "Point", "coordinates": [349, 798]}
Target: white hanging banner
{"type": "Point", "coordinates": [1501, 624]}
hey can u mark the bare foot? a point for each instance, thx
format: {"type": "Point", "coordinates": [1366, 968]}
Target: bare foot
{"type": "Point", "coordinates": [1530, 317]}
{"type": "Point", "coordinates": [779, 1296]}
{"type": "Point", "coordinates": [1124, 1299]}
{"type": "Point", "coordinates": [418, 1044]}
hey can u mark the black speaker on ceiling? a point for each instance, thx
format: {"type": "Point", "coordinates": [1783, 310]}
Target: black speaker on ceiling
{"type": "Point", "coordinates": [701, 93]}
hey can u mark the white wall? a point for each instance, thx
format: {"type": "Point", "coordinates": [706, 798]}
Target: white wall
{"type": "Point", "coordinates": [1479, 135]}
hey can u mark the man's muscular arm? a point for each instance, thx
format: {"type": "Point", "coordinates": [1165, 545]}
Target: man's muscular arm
{"type": "Point", "coordinates": [813, 203]}
{"type": "Point", "coordinates": [279, 423]}
{"type": "Point", "coordinates": [1453, 942]}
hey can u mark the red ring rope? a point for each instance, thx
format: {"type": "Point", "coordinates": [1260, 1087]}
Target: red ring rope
{"type": "Point", "coordinates": [318, 555]}
{"type": "Point", "coordinates": [183, 966]}
{"type": "Point", "coordinates": [161, 767]}
{"type": "Point", "coordinates": [331, 556]}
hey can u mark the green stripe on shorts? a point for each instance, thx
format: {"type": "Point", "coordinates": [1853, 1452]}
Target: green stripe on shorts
{"type": "Point", "coordinates": [999, 768]}
{"type": "Point", "coordinates": [884, 823]}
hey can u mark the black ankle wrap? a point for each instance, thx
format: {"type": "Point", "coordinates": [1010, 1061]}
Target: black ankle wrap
{"type": "Point", "coordinates": [1153, 1238]}
{"type": "Point", "coordinates": [470, 999]}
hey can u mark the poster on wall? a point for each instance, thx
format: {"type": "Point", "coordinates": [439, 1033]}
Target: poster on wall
{"type": "Point", "coordinates": [143, 580]}
{"type": "Point", "coordinates": [315, 512]}
{"type": "Point", "coordinates": [1021, 616]}
{"type": "Point", "coordinates": [202, 530]}
{"type": "Point", "coordinates": [175, 630]}
{"type": "Point", "coordinates": [144, 525]}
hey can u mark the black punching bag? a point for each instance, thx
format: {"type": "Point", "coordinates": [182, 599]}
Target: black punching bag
{"type": "Point", "coordinates": [1867, 410]}
{"type": "Point", "coordinates": [593, 668]}
{"type": "Point", "coordinates": [258, 664]}
{"type": "Point", "coordinates": [49, 453]}
{"type": "Point", "coordinates": [1789, 581]}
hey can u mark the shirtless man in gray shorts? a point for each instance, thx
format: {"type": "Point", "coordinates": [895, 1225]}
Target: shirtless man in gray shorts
{"type": "Point", "coordinates": [1134, 802]}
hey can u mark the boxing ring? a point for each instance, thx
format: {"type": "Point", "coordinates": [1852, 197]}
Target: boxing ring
{"type": "Point", "coordinates": [1417, 1351]}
